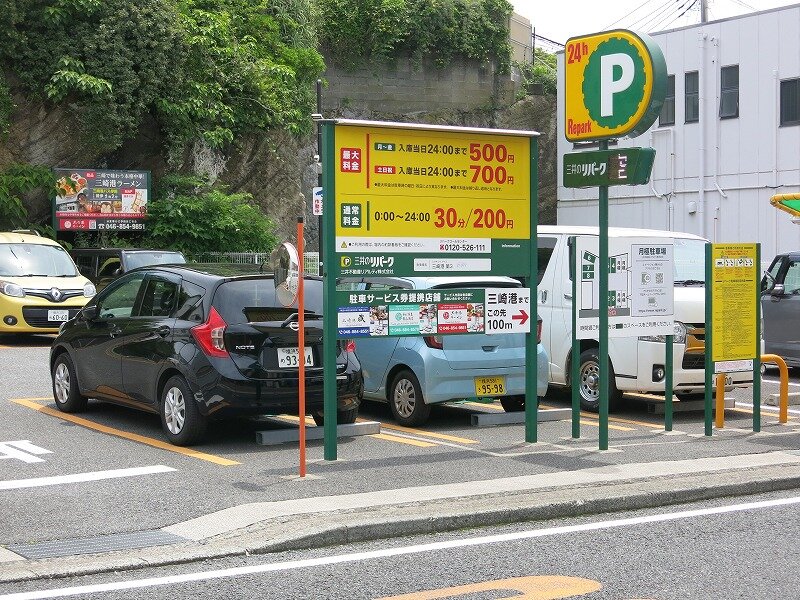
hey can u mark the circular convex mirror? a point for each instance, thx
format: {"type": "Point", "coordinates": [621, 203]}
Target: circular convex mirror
{"type": "Point", "coordinates": [285, 264]}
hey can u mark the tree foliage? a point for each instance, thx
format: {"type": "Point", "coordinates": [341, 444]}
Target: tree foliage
{"type": "Point", "coordinates": [205, 69]}
{"type": "Point", "coordinates": [355, 32]}
{"type": "Point", "coordinates": [191, 216]}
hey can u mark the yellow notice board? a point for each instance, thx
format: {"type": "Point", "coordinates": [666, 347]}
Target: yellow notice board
{"type": "Point", "coordinates": [734, 288]}
{"type": "Point", "coordinates": [450, 186]}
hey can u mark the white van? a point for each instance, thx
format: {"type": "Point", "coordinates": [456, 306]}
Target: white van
{"type": "Point", "coordinates": [637, 364]}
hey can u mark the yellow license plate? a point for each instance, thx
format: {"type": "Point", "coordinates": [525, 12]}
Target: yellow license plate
{"type": "Point", "coordinates": [490, 386]}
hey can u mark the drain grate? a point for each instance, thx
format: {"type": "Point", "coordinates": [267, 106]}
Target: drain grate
{"type": "Point", "coordinates": [103, 543]}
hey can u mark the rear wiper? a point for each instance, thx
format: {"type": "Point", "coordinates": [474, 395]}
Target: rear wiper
{"type": "Point", "coordinates": [689, 282]}
{"type": "Point", "coordinates": [295, 316]}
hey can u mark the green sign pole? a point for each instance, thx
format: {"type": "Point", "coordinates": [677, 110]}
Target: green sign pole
{"type": "Point", "coordinates": [757, 359]}
{"type": "Point", "coordinates": [708, 331]}
{"type": "Point", "coordinates": [576, 349]}
{"type": "Point", "coordinates": [604, 370]}
{"type": "Point", "coordinates": [531, 342]}
{"type": "Point", "coordinates": [668, 384]}
{"type": "Point", "coordinates": [329, 274]}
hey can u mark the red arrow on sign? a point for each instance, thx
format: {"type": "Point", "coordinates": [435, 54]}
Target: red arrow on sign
{"type": "Point", "coordinates": [522, 317]}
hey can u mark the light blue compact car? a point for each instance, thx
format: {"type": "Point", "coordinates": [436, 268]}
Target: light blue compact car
{"type": "Point", "coordinates": [412, 373]}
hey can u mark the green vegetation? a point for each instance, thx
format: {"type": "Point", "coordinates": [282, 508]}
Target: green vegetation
{"type": "Point", "coordinates": [358, 32]}
{"type": "Point", "coordinates": [15, 182]}
{"type": "Point", "coordinates": [541, 72]}
{"type": "Point", "coordinates": [204, 69]}
{"type": "Point", "coordinates": [193, 217]}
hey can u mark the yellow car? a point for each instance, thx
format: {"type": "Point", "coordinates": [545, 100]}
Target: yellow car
{"type": "Point", "coordinates": [40, 287]}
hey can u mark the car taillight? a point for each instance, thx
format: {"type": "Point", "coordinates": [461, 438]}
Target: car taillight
{"type": "Point", "coordinates": [434, 341]}
{"type": "Point", "coordinates": [349, 346]}
{"type": "Point", "coordinates": [210, 335]}
{"type": "Point", "coordinates": [538, 332]}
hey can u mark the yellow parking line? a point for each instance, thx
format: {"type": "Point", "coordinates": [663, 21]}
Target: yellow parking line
{"type": "Point", "coordinates": [402, 440]}
{"type": "Point", "coordinates": [614, 419]}
{"type": "Point", "coordinates": [431, 434]}
{"type": "Point", "coordinates": [31, 403]}
{"type": "Point", "coordinates": [610, 426]}
{"type": "Point", "coordinates": [767, 413]}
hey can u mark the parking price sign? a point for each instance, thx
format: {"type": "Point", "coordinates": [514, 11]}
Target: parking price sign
{"type": "Point", "coordinates": [422, 200]}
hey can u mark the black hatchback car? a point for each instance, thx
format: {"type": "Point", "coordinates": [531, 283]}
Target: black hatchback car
{"type": "Point", "coordinates": [198, 343]}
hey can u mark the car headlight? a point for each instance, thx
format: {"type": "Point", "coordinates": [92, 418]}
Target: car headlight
{"type": "Point", "coordinates": [89, 290]}
{"type": "Point", "coordinates": [679, 337]}
{"type": "Point", "coordinates": [11, 289]}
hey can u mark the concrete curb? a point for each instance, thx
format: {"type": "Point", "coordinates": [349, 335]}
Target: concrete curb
{"type": "Point", "coordinates": [305, 531]}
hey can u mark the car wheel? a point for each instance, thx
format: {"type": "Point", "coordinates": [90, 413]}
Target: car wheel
{"type": "Point", "coordinates": [65, 386]}
{"type": "Point", "coordinates": [512, 403]}
{"type": "Point", "coordinates": [589, 382]}
{"type": "Point", "coordinates": [406, 401]}
{"type": "Point", "coordinates": [180, 417]}
{"type": "Point", "coordinates": [343, 417]}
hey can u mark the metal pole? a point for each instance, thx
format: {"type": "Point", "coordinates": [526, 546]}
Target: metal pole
{"type": "Point", "coordinates": [330, 272]}
{"type": "Point", "coordinates": [757, 359]}
{"type": "Point", "coordinates": [708, 341]}
{"type": "Point", "coordinates": [531, 343]}
{"type": "Point", "coordinates": [668, 392]}
{"type": "Point", "coordinates": [319, 171]}
{"type": "Point", "coordinates": [576, 347]}
{"type": "Point", "coordinates": [301, 348]}
{"type": "Point", "coordinates": [604, 370]}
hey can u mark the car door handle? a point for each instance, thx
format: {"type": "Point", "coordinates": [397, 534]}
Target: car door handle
{"type": "Point", "coordinates": [163, 331]}
{"type": "Point", "coordinates": [567, 296]}
{"type": "Point", "coordinates": [544, 296]}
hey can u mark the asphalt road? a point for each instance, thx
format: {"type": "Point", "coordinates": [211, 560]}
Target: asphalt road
{"type": "Point", "coordinates": [156, 486]}
{"type": "Point", "coordinates": [729, 548]}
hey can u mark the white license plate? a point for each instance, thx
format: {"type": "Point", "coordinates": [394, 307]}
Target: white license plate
{"type": "Point", "coordinates": [289, 357]}
{"type": "Point", "coordinates": [58, 315]}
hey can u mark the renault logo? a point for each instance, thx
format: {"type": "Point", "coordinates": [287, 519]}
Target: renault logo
{"type": "Point", "coordinates": [55, 294]}
{"type": "Point", "coordinates": [294, 326]}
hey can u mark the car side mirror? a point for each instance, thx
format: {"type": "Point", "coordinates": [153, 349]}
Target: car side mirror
{"type": "Point", "coordinates": [767, 283]}
{"type": "Point", "coordinates": [117, 271]}
{"type": "Point", "coordinates": [90, 312]}
{"type": "Point", "coordinates": [777, 290]}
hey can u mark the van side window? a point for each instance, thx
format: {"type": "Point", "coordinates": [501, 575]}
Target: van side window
{"type": "Point", "coordinates": [791, 282]}
{"type": "Point", "coordinates": [545, 247]}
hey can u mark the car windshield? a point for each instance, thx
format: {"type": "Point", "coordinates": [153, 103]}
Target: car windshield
{"type": "Point", "coordinates": [135, 260]}
{"type": "Point", "coordinates": [35, 260]}
{"type": "Point", "coordinates": [689, 260]}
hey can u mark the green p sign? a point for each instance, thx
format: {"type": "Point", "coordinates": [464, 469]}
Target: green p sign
{"type": "Point", "coordinates": [615, 83]}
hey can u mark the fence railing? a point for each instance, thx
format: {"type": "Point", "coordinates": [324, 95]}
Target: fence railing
{"type": "Point", "coordinates": [310, 259]}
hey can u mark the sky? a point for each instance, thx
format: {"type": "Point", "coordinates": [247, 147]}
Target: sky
{"type": "Point", "coordinates": [561, 20]}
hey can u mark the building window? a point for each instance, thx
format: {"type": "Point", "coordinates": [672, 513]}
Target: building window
{"type": "Point", "coordinates": [667, 116]}
{"type": "Point", "coordinates": [790, 102]}
{"type": "Point", "coordinates": [691, 83]}
{"type": "Point", "coordinates": [729, 92]}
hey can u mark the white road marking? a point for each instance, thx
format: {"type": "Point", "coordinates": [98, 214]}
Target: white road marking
{"type": "Point", "coordinates": [768, 409]}
{"type": "Point", "coordinates": [16, 484]}
{"type": "Point", "coordinates": [390, 552]}
{"type": "Point", "coordinates": [767, 380]}
{"type": "Point", "coordinates": [22, 450]}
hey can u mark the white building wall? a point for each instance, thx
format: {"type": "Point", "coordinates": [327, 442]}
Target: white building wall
{"type": "Point", "coordinates": [744, 160]}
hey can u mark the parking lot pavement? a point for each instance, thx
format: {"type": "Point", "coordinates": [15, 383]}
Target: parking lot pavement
{"type": "Point", "coordinates": [102, 484]}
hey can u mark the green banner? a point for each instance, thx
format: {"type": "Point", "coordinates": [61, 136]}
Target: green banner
{"type": "Point", "coordinates": [624, 166]}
